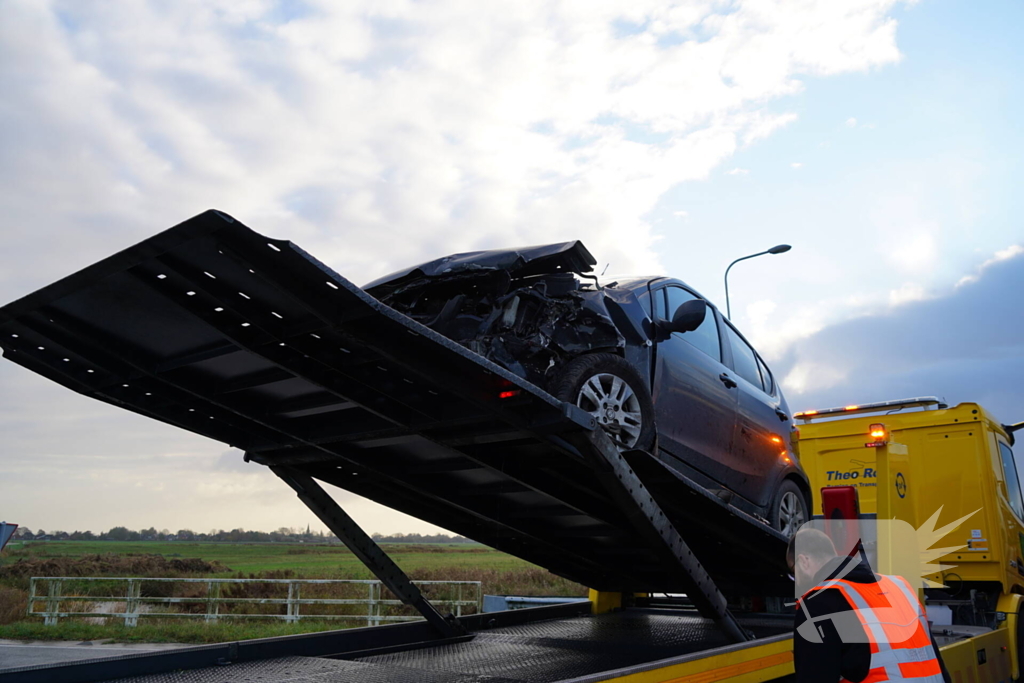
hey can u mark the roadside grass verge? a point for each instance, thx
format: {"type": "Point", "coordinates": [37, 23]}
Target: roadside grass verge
{"type": "Point", "coordinates": [499, 574]}
{"type": "Point", "coordinates": [162, 631]}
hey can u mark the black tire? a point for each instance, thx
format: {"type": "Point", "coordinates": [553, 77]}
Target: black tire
{"type": "Point", "coordinates": [789, 508]}
{"type": "Point", "coordinates": [617, 416]}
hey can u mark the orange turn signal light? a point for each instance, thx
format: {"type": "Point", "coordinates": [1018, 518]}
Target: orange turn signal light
{"type": "Point", "coordinates": [878, 432]}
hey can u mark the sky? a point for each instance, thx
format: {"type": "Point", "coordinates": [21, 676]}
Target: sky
{"type": "Point", "coordinates": [878, 138]}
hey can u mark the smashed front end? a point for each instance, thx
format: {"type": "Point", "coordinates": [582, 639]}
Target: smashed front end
{"type": "Point", "coordinates": [530, 310]}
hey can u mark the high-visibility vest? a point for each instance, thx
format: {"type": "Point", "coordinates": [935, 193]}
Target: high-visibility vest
{"type": "Point", "coordinates": [896, 629]}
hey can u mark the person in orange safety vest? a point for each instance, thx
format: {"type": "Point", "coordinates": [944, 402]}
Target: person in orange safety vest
{"type": "Point", "coordinates": [854, 625]}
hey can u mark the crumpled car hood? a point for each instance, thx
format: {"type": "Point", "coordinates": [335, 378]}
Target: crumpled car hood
{"type": "Point", "coordinates": [563, 257]}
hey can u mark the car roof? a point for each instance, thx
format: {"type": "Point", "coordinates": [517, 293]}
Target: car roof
{"type": "Point", "coordinates": [665, 280]}
{"type": "Point", "coordinates": [636, 282]}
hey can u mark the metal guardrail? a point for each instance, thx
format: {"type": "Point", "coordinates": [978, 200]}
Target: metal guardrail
{"type": "Point", "coordinates": [133, 601]}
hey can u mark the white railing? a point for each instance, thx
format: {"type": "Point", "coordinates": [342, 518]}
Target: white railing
{"type": "Point", "coordinates": [132, 604]}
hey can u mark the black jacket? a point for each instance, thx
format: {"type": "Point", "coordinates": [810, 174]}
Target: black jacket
{"type": "Point", "coordinates": [827, 661]}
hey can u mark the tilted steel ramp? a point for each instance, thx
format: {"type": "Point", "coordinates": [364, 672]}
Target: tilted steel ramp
{"type": "Point", "coordinates": [219, 330]}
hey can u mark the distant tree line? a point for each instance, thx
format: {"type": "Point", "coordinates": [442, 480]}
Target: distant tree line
{"type": "Point", "coordinates": [419, 538]}
{"type": "Point", "coordinates": [282, 535]}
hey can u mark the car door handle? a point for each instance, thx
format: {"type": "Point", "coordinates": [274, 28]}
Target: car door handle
{"type": "Point", "coordinates": [727, 381]}
{"type": "Point", "coordinates": [782, 416]}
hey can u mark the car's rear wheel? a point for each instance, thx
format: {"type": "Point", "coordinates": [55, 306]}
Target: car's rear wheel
{"type": "Point", "coordinates": [610, 389]}
{"type": "Point", "coordinates": [789, 508]}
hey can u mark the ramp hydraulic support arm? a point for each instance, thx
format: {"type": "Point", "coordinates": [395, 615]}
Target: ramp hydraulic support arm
{"type": "Point", "coordinates": [649, 520]}
{"type": "Point", "coordinates": [364, 547]}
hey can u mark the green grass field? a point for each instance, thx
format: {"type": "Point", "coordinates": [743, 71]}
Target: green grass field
{"type": "Point", "coordinates": [306, 560]}
{"type": "Point", "coordinates": [498, 572]}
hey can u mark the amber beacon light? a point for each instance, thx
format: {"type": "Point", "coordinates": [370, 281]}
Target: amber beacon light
{"type": "Point", "coordinates": [879, 436]}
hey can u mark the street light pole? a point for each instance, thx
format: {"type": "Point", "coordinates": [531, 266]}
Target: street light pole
{"type": "Point", "coordinates": [778, 249]}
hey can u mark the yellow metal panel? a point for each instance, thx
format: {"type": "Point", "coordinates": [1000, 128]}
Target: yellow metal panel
{"type": "Point", "coordinates": [602, 602]}
{"type": "Point", "coordinates": [898, 484]}
{"type": "Point", "coordinates": [774, 660]}
{"type": "Point", "coordinates": [747, 665]}
{"type": "Point", "coordinates": [1010, 605]}
{"type": "Point", "coordinates": [962, 659]}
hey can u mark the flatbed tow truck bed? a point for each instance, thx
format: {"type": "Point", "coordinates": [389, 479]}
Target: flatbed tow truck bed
{"type": "Point", "coordinates": [214, 328]}
{"type": "Point", "coordinates": [632, 645]}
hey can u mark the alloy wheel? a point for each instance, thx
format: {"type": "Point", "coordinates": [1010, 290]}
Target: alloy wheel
{"type": "Point", "coordinates": [792, 513]}
{"type": "Point", "coordinates": [615, 406]}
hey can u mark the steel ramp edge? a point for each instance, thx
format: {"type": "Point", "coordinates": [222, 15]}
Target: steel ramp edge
{"type": "Point", "coordinates": [745, 555]}
{"type": "Point", "coordinates": [764, 659]}
{"type": "Point", "coordinates": [251, 341]}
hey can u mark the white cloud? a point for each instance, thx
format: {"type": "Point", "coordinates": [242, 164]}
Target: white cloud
{"type": "Point", "coordinates": [1002, 255]}
{"type": "Point", "coordinates": [1010, 252]}
{"type": "Point", "coordinates": [419, 122]}
{"type": "Point", "coordinates": [851, 122]}
{"type": "Point", "coordinates": [378, 134]}
{"type": "Point", "coordinates": [944, 344]}
{"type": "Point", "coordinates": [796, 165]}
{"type": "Point", "coordinates": [681, 214]}
{"type": "Point", "coordinates": [738, 171]}
{"type": "Point", "coordinates": [913, 250]}
{"type": "Point", "coordinates": [776, 332]}
{"type": "Point", "coordinates": [806, 376]}
{"type": "Point", "coordinates": [762, 125]}
{"type": "Point", "coordinates": [907, 293]}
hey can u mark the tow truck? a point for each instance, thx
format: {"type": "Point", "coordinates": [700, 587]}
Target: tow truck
{"type": "Point", "coordinates": [936, 467]}
{"type": "Point", "coordinates": [251, 341]}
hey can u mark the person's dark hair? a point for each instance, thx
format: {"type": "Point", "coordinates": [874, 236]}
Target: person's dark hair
{"type": "Point", "coordinates": [813, 543]}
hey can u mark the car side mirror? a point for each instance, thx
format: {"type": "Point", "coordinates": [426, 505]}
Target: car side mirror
{"type": "Point", "coordinates": [688, 316]}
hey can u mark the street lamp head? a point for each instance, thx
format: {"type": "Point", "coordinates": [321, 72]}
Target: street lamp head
{"type": "Point", "coordinates": [777, 249]}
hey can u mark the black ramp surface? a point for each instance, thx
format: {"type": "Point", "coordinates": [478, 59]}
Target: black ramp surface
{"type": "Point", "coordinates": [541, 652]}
{"type": "Point", "coordinates": [219, 330]}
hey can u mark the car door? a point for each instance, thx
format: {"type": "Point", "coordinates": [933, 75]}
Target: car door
{"type": "Point", "coordinates": [759, 439]}
{"type": "Point", "coordinates": [694, 408]}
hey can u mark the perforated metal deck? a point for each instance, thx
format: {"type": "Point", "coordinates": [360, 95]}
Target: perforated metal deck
{"type": "Point", "coordinates": [547, 651]}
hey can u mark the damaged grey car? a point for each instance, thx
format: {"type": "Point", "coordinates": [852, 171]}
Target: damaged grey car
{"type": "Point", "coordinates": [656, 364]}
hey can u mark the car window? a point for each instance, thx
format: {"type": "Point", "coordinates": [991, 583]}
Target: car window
{"type": "Point", "coordinates": [743, 358]}
{"type": "Point", "coordinates": [704, 337]}
{"type": "Point", "coordinates": [645, 301]}
{"type": "Point", "coordinates": [766, 377]}
{"type": "Point", "coordinates": [1012, 482]}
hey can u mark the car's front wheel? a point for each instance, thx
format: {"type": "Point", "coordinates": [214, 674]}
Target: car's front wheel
{"type": "Point", "coordinates": [789, 508]}
{"type": "Point", "coordinates": [610, 389]}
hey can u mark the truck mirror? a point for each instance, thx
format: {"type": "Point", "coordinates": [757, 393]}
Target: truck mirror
{"type": "Point", "coordinates": [1010, 429]}
{"type": "Point", "coordinates": [688, 316]}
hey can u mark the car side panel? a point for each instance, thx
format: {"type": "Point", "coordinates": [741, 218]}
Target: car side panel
{"type": "Point", "coordinates": [760, 441]}
{"type": "Point", "coordinates": [694, 409]}
{"type": "Point", "coordinates": [756, 452]}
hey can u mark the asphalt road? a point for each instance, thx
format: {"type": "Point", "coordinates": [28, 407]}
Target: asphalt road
{"type": "Point", "coordinates": [17, 654]}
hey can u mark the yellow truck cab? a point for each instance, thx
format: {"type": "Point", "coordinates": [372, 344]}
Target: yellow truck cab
{"type": "Point", "coordinates": [912, 458]}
